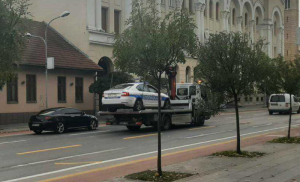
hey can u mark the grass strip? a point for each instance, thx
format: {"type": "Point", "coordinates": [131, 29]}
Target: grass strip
{"type": "Point", "coordinates": [153, 176]}
{"type": "Point", "coordinates": [244, 154]}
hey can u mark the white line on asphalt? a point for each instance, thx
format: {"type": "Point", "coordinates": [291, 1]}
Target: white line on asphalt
{"type": "Point", "coordinates": [262, 125]}
{"type": "Point", "coordinates": [208, 134]}
{"type": "Point", "coordinates": [133, 156]}
{"type": "Point", "coordinates": [13, 142]}
{"type": "Point", "coordinates": [89, 133]}
{"type": "Point", "coordinates": [69, 157]}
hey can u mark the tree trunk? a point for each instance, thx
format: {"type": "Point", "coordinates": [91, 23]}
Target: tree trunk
{"type": "Point", "coordinates": [290, 120]}
{"type": "Point", "coordinates": [159, 170]}
{"type": "Point", "coordinates": [238, 136]}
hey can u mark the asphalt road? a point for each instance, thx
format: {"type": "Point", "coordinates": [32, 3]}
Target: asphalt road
{"type": "Point", "coordinates": [31, 157]}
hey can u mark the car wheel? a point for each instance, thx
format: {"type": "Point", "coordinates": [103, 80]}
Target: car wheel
{"type": "Point", "coordinates": [199, 121]}
{"type": "Point", "coordinates": [270, 112]}
{"type": "Point", "coordinates": [60, 128]}
{"type": "Point", "coordinates": [133, 128]}
{"type": "Point", "coordinates": [166, 123]}
{"type": "Point", "coordinates": [167, 104]}
{"type": "Point", "coordinates": [93, 125]}
{"type": "Point", "coordinates": [38, 132]}
{"type": "Point", "coordinates": [138, 106]}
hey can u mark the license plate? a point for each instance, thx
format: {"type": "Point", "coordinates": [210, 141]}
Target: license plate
{"type": "Point", "coordinates": [123, 123]}
{"type": "Point", "coordinates": [35, 124]}
{"type": "Point", "coordinates": [112, 95]}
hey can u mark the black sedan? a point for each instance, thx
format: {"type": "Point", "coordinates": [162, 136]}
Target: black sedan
{"type": "Point", "coordinates": [60, 120]}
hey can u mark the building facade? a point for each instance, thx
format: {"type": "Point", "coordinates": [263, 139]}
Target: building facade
{"type": "Point", "coordinates": [68, 83]}
{"type": "Point", "coordinates": [93, 23]}
{"type": "Point", "coordinates": [291, 23]}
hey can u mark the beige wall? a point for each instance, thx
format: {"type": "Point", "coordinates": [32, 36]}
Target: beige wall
{"type": "Point", "coordinates": [22, 106]}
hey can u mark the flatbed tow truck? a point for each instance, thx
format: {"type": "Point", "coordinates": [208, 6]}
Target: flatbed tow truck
{"type": "Point", "coordinates": [183, 111]}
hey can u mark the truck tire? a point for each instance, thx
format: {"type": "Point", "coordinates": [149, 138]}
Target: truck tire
{"type": "Point", "coordinates": [166, 123]}
{"type": "Point", "coordinates": [133, 128]}
{"type": "Point", "coordinates": [199, 121]}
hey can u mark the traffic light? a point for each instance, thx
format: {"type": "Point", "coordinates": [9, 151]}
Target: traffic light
{"type": "Point", "coordinates": [199, 82]}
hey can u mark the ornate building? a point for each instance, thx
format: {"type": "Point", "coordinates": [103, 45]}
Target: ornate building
{"type": "Point", "coordinates": [93, 24]}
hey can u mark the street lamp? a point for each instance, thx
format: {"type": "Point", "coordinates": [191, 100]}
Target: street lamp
{"type": "Point", "coordinates": [64, 14]}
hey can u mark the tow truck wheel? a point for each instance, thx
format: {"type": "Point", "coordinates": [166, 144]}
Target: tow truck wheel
{"type": "Point", "coordinates": [138, 106]}
{"type": "Point", "coordinates": [200, 121]}
{"type": "Point", "coordinates": [167, 104]}
{"type": "Point", "coordinates": [166, 123]}
{"type": "Point", "coordinates": [133, 128]}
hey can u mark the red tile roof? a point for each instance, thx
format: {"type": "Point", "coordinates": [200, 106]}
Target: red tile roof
{"type": "Point", "coordinates": [65, 54]}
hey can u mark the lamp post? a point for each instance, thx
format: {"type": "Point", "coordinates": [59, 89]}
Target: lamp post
{"type": "Point", "coordinates": [64, 14]}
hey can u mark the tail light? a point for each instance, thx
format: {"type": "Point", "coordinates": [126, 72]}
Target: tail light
{"type": "Point", "coordinates": [125, 94]}
{"type": "Point", "coordinates": [48, 118]}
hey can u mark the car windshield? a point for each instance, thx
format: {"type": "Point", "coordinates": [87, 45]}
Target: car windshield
{"type": "Point", "coordinates": [122, 86]}
{"type": "Point", "coordinates": [278, 98]}
{"type": "Point", "coordinates": [182, 91]}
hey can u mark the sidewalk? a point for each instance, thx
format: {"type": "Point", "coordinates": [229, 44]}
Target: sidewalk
{"type": "Point", "coordinates": [280, 164]}
{"type": "Point", "coordinates": [24, 126]}
{"type": "Point", "coordinates": [245, 108]}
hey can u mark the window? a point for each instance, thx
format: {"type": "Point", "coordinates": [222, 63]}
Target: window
{"type": "Point", "coordinates": [152, 89]}
{"type": "Point", "coordinates": [278, 98]}
{"type": "Point", "coordinates": [182, 91]}
{"type": "Point", "coordinates": [12, 90]}
{"type": "Point", "coordinates": [70, 111]}
{"type": "Point", "coordinates": [123, 86]}
{"type": "Point", "coordinates": [117, 22]}
{"type": "Point", "coordinates": [246, 99]}
{"type": "Point", "coordinates": [217, 11]}
{"type": "Point", "coordinates": [61, 89]}
{"type": "Point", "coordinates": [210, 9]}
{"type": "Point", "coordinates": [257, 20]}
{"type": "Point", "coordinates": [275, 28]}
{"type": "Point", "coordinates": [191, 6]}
{"type": "Point", "coordinates": [251, 99]}
{"type": "Point", "coordinates": [31, 88]}
{"type": "Point", "coordinates": [287, 36]}
{"type": "Point", "coordinates": [287, 19]}
{"type": "Point", "coordinates": [192, 90]}
{"type": "Point", "coordinates": [262, 99]}
{"type": "Point", "coordinates": [187, 74]}
{"type": "Point", "coordinates": [163, 2]}
{"type": "Point", "coordinates": [257, 99]}
{"type": "Point", "coordinates": [79, 90]}
{"type": "Point", "coordinates": [171, 3]}
{"type": "Point", "coordinates": [287, 4]}
{"type": "Point", "coordinates": [142, 88]}
{"type": "Point", "coordinates": [233, 16]}
{"type": "Point", "coordinates": [246, 19]}
{"type": "Point", "coordinates": [239, 99]}
{"type": "Point", "coordinates": [287, 52]}
{"type": "Point", "coordinates": [104, 19]}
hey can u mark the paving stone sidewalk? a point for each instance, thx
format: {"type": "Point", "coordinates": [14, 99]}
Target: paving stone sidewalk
{"type": "Point", "coordinates": [280, 164]}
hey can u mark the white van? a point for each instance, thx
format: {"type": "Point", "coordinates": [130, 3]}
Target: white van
{"type": "Point", "coordinates": [281, 103]}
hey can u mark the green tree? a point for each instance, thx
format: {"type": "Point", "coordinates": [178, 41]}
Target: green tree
{"type": "Point", "coordinates": [230, 64]}
{"type": "Point", "coordinates": [152, 44]}
{"type": "Point", "coordinates": [287, 80]}
{"type": "Point", "coordinates": [13, 17]}
{"type": "Point", "coordinates": [110, 80]}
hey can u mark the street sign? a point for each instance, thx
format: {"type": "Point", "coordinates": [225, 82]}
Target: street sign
{"type": "Point", "coordinates": [50, 63]}
{"type": "Point", "coordinates": [298, 36]}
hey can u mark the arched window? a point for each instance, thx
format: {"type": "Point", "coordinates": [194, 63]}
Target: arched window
{"type": "Point", "coordinates": [275, 28]}
{"type": "Point", "coordinates": [257, 20]}
{"type": "Point", "coordinates": [217, 11]}
{"type": "Point", "coordinates": [210, 9]}
{"type": "Point", "coordinates": [246, 19]}
{"type": "Point", "coordinates": [233, 16]}
{"type": "Point", "coordinates": [205, 11]}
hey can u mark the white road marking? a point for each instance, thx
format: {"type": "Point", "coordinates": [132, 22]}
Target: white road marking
{"type": "Point", "coordinates": [12, 142]}
{"type": "Point", "coordinates": [262, 125]}
{"type": "Point", "coordinates": [208, 134]}
{"type": "Point", "coordinates": [86, 133]}
{"type": "Point", "coordinates": [133, 156]}
{"type": "Point", "coordinates": [69, 157]}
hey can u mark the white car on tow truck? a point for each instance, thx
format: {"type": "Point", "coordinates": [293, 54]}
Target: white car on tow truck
{"type": "Point", "coordinates": [138, 96]}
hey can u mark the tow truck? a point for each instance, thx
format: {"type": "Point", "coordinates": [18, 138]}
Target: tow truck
{"type": "Point", "coordinates": [184, 98]}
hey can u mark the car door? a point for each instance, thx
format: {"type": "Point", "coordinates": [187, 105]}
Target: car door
{"type": "Point", "coordinates": [143, 93]}
{"type": "Point", "coordinates": [295, 104]}
{"type": "Point", "coordinates": [153, 96]}
{"type": "Point", "coordinates": [67, 118]}
{"type": "Point", "coordinates": [77, 117]}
